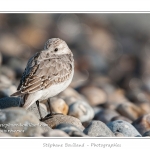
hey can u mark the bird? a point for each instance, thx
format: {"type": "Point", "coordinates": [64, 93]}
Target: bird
{"type": "Point", "coordinates": [47, 73]}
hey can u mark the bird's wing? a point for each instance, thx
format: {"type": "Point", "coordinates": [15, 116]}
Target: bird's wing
{"type": "Point", "coordinates": [44, 70]}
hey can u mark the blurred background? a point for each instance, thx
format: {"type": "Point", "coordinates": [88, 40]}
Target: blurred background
{"type": "Point", "coordinates": [111, 52]}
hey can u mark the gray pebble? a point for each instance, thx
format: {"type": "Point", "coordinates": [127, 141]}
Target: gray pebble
{"type": "Point", "coordinates": [123, 127]}
{"type": "Point", "coordinates": [106, 115]}
{"type": "Point", "coordinates": [98, 128]}
{"type": "Point", "coordinates": [18, 122]}
{"type": "Point", "coordinates": [67, 127]}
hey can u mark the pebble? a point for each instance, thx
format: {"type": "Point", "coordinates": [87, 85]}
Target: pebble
{"type": "Point", "coordinates": [5, 81]}
{"type": "Point", "coordinates": [146, 134]}
{"type": "Point", "coordinates": [4, 134]}
{"type": "Point", "coordinates": [28, 124]}
{"type": "Point", "coordinates": [123, 127]}
{"type": "Point", "coordinates": [94, 95]}
{"type": "Point", "coordinates": [69, 92]}
{"type": "Point", "coordinates": [70, 100]}
{"type": "Point", "coordinates": [8, 72]}
{"type": "Point", "coordinates": [67, 127]}
{"type": "Point", "coordinates": [118, 134]}
{"type": "Point", "coordinates": [55, 133]}
{"type": "Point", "coordinates": [121, 118]}
{"type": "Point", "coordinates": [81, 110]}
{"type": "Point", "coordinates": [129, 110]}
{"type": "Point", "coordinates": [58, 119]}
{"type": "Point", "coordinates": [0, 58]}
{"type": "Point", "coordinates": [59, 106]}
{"type": "Point", "coordinates": [8, 90]}
{"type": "Point", "coordinates": [98, 128]}
{"type": "Point", "coordinates": [7, 102]}
{"type": "Point", "coordinates": [45, 127]}
{"type": "Point", "coordinates": [115, 98]}
{"type": "Point", "coordinates": [106, 115]}
{"type": "Point", "coordinates": [142, 124]}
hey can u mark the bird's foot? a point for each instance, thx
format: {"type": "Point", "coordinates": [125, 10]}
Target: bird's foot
{"type": "Point", "coordinates": [50, 116]}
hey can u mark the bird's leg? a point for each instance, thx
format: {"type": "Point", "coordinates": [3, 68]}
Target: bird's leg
{"type": "Point", "coordinates": [50, 115]}
{"type": "Point", "coordinates": [37, 103]}
{"type": "Point", "coordinates": [49, 105]}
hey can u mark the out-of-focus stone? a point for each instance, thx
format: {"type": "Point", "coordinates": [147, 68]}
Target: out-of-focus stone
{"type": "Point", "coordinates": [81, 110]}
{"type": "Point", "coordinates": [79, 79]}
{"type": "Point", "coordinates": [142, 124]}
{"type": "Point", "coordinates": [121, 118]}
{"type": "Point", "coordinates": [106, 115]}
{"type": "Point", "coordinates": [94, 95]}
{"type": "Point", "coordinates": [145, 107]}
{"type": "Point", "coordinates": [0, 58]}
{"type": "Point", "coordinates": [20, 122]}
{"type": "Point", "coordinates": [98, 128]}
{"type": "Point", "coordinates": [7, 102]}
{"type": "Point", "coordinates": [55, 133]}
{"type": "Point", "coordinates": [58, 119]}
{"type": "Point", "coordinates": [70, 100]}
{"type": "Point", "coordinates": [115, 98]}
{"type": "Point", "coordinates": [129, 110]}
{"type": "Point", "coordinates": [123, 127]}
{"type": "Point", "coordinates": [70, 92]}
{"type": "Point", "coordinates": [8, 72]}
{"type": "Point", "coordinates": [9, 90]}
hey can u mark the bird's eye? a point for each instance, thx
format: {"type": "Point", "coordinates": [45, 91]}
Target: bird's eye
{"type": "Point", "coordinates": [56, 49]}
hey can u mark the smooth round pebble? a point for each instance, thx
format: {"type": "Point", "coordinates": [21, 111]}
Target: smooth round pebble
{"type": "Point", "coordinates": [67, 127]}
{"type": "Point", "coordinates": [81, 110]}
{"type": "Point", "coordinates": [59, 106]}
{"type": "Point", "coordinates": [106, 115]}
{"type": "Point", "coordinates": [142, 124]}
{"type": "Point", "coordinates": [94, 95]}
{"type": "Point", "coordinates": [55, 133]}
{"type": "Point", "coordinates": [118, 134]}
{"type": "Point", "coordinates": [27, 123]}
{"type": "Point", "coordinates": [98, 128]}
{"type": "Point", "coordinates": [123, 127]}
{"type": "Point", "coordinates": [59, 119]}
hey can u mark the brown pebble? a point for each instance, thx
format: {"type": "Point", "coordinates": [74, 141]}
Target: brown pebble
{"type": "Point", "coordinates": [129, 110]}
{"type": "Point", "coordinates": [58, 119]}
